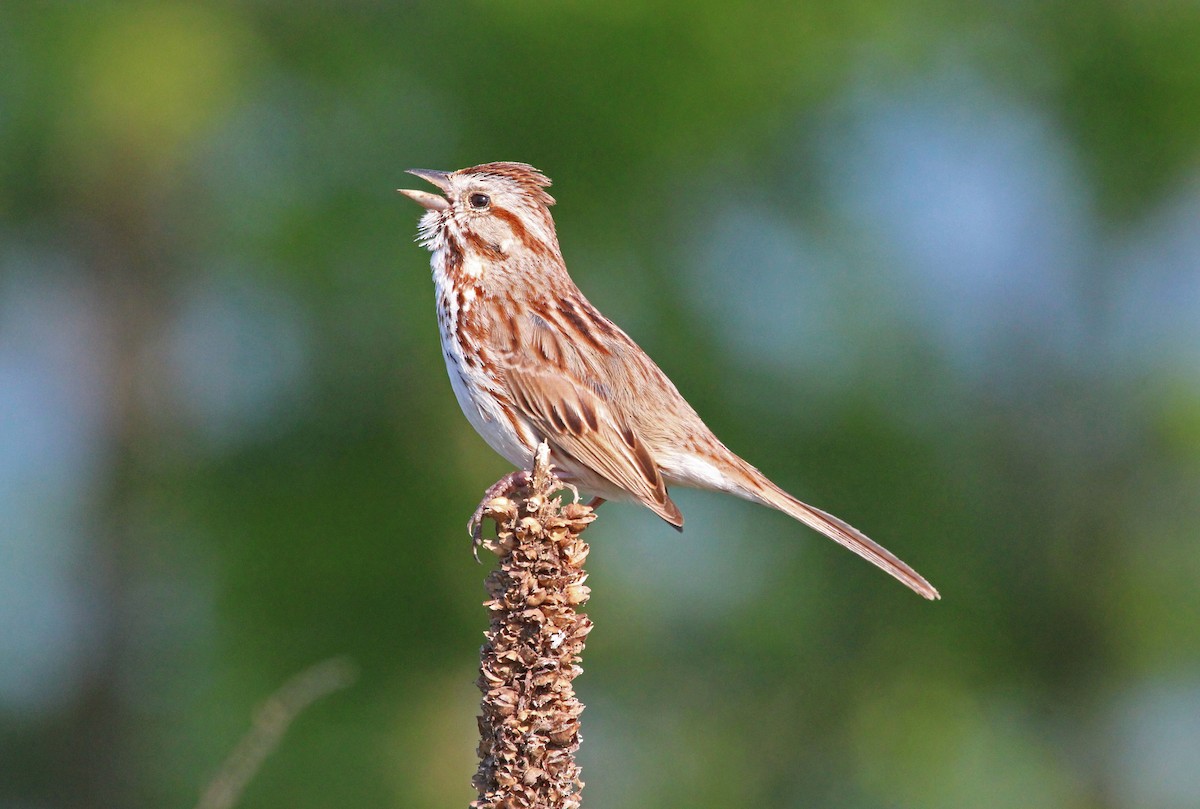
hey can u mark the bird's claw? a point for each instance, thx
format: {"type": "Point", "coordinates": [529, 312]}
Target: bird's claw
{"type": "Point", "coordinates": [501, 488]}
{"type": "Point", "coordinates": [475, 530]}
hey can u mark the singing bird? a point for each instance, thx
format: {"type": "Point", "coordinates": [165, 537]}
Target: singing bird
{"type": "Point", "coordinates": [531, 359]}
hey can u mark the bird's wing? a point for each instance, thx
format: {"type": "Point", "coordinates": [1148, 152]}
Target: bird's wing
{"type": "Point", "coordinates": [581, 426]}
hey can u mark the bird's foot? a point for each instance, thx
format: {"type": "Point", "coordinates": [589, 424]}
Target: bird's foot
{"type": "Point", "coordinates": [501, 488]}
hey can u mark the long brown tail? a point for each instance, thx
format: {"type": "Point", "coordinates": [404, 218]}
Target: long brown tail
{"type": "Point", "coordinates": [842, 533]}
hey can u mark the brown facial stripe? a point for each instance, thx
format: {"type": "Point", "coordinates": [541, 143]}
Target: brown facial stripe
{"type": "Point", "coordinates": [519, 231]}
{"type": "Point", "coordinates": [484, 248]}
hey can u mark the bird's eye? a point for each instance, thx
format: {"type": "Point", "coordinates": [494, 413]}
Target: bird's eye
{"type": "Point", "coordinates": [480, 200]}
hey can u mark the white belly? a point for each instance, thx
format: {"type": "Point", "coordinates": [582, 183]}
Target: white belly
{"type": "Point", "coordinates": [485, 415]}
{"type": "Point", "coordinates": [471, 386]}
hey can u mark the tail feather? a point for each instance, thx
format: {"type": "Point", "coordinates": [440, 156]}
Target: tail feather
{"type": "Point", "coordinates": [845, 535]}
{"type": "Point", "coordinates": [667, 510]}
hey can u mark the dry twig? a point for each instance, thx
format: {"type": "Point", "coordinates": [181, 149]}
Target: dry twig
{"type": "Point", "coordinates": [271, 721]}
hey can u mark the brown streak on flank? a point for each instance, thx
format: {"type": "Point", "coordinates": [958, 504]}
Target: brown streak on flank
{"type": "Point", "coordinates": [454, 256]}
{"type": "Point", "coordinates": [630, 439]}
{"type": "Point", "coordinates": [469, 327]}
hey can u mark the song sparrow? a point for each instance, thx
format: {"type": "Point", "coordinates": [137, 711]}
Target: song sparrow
{"type": "Point", "coordinates": [531, 359]}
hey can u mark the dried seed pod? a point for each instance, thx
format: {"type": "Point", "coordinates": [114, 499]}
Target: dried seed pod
{"type": "Point", "coordinates": [564, 736]}
{"type": "Point", "coordinates": [529, 723]}
{"type": "Point", "coordinates": [500, 507]}
{"type": "Point", "coordinates": [576, 511]}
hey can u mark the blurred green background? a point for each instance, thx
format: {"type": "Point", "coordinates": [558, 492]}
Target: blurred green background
{"type": "Point", "coordinates": [932, 266]}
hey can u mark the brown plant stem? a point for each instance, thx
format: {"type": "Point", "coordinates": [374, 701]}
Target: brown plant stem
{"type": "Point", "coordinates": [529, 726]}
{"type": "Point", "coordinates": [271, 721]}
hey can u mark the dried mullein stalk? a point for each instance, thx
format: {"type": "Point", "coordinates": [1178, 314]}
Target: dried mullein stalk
{"type": "Point", "coordinates": [529, 728]}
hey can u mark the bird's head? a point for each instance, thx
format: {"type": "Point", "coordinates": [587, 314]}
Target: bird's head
{"type": "Point", "coordinates": [494, 211]}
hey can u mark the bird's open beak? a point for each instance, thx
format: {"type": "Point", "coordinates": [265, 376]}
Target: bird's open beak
{"type": "Point", "coordinates": [431, 201]}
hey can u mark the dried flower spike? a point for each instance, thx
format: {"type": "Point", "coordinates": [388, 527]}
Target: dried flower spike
{"type": "Point", "coordinates": [529, 724]}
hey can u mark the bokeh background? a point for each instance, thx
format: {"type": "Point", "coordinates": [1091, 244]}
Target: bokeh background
{"type": "Point", "coordinates": [933, 266]}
